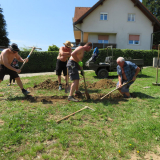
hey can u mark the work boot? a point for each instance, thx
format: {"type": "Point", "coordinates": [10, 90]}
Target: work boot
{"type": "Point", "coordinates": [60, 87]}
{"type": "Point", "coordinates": [125, 96]}
{"type": "Point", "coordinates": [71, 98]}
{"type": "Point", "coordinates": [25, 92]}
{"type": "Point", "coordinates": [78, 93]}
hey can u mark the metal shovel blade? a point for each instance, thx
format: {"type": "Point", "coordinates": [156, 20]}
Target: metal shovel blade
{"type": "Point", "coordinates": [67, 88]}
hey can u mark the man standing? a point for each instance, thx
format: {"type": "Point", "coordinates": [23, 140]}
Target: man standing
{"type": "Point", "coordinates": [6, 58]}
{"type": "Point", "coordinates": [64, 54]}
{"type": "Point", "coordinates": [74, 64]}
{"type": "Point", "coordinates": [127, 71]}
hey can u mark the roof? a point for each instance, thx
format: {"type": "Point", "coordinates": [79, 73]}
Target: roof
{"type": "Point", "coordinates": [83, 12]}
{"type": "Point", "coordinates": [79, 11]}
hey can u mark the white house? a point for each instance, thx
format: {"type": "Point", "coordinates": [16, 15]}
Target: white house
{"type": "Point", "coordinates": [127, 24]}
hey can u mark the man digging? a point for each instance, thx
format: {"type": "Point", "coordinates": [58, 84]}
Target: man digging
{"type": "Point", "coordinates": [127, 71]}
{"type": "Point", "coordinates": [64, 54]}
{"type": "Point", "coordinates": [74, 64]}
{"type": "Point", "coordinates": [6, 58]}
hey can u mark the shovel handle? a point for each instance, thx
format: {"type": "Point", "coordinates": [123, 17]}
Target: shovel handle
{"type": "Point", "coordinates": [71, 114]}
{"type": "Point", "coordinates": [27, 58]}
{"type": "Point", "coordinates": [116, 89]}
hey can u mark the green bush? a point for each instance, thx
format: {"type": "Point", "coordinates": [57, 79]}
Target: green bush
{"type": "Point", "coordinates": [46, 61]}
{"type": "Point", "coordinates": [39, 62]}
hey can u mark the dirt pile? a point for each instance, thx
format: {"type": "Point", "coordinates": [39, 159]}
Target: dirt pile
{"type": "Point", "coordinates": [47, 84]}
{"type": "Point", "coordinates": [102, 84]}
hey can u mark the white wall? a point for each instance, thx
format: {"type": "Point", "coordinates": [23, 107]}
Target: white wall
{"type": "Point", "coordinates": [117, 23]}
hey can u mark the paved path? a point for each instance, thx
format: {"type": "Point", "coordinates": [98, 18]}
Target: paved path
{"type": "Point", "coordinates": [6, 77]}
{"type": "Point", "coordinates": [31, 74]}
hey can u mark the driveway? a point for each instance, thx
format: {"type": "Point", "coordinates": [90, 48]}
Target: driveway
{"type": "Point", "coordinates": [6, 77]}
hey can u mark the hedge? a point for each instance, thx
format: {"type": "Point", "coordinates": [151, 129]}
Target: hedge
{"type": "Point", "coordinates": [46, 61]}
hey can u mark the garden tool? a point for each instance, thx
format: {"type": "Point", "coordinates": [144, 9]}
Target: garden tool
{"type": "Point", "coordinates": [33, 48]}
{"type": "Point", "coordinates": [86, 92]}
{"type": "Point", "coordinates": [67, 88]}
{"type": "Point", "coordinates": [157, 84]}
{"type": "Point", "coordinates": [74, 113]}
{"type": "Point", "coordinates": [116, 89]}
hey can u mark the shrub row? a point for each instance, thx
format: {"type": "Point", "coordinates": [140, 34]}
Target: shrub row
{"type": "Point", "coordinates": [46, 61]}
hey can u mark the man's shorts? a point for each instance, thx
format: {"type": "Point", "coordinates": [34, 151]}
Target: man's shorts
{"type": "Point", "coordinates": [61, 66]}
{"type": "Point", "coordinates": [73, 68]}
{"type": "Point", "coordinates": [125, 88]}
{"type": "Point", "coordinates": [4, 70]}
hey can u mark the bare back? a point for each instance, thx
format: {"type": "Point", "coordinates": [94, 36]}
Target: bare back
{"type": "Point", "coordinates": [77, 54]}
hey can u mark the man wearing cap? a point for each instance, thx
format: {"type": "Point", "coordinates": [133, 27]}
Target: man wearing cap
{"type": "Point", "coordinates": [64, 54]}
{"type": "Point", "coordinates": [6, 58]}
{"type": "Point", "coordinates": [74, 64]}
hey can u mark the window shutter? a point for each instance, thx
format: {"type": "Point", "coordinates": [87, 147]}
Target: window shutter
{"type": "Point", "coordinates": [101, 37]}
{"type": "Point", "coordinates": [134, 37]}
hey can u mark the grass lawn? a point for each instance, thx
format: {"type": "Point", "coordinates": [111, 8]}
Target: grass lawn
{"type": "Point", "coordinates": [118, 129]}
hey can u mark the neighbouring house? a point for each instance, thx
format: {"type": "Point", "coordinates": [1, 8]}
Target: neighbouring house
{"type": "Point", "coordinates": [124, 24]}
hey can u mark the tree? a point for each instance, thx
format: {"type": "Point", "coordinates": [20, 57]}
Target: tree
{"type": "Point", "coordinates": [53, 48]}
{"type": "Point", "coordinates": [4, 41]}
{"type": "Point", "coordinates": [154, 8]}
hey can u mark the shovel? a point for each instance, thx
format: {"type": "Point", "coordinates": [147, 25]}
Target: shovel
{"type": "Point", "coordinates": [33, 48]}
{"type": "Point", "coordinates": [115, 89]}
{"type": "Point", "coordinates": [86, 92]}
{"type": "Point", "coordinates": [67, 88]}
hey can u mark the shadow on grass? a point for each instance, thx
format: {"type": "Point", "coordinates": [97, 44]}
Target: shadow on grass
{"type": "Point", "coordinates": [44, 99]}
{"type": "Point", "coordinates": [141, 95]}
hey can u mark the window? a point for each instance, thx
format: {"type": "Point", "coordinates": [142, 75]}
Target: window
{"type": "Point", "coordinates": [131, 17]}
{"type": "Point", "coordinates": [103, 16]}
{"type": "Point", "coordinates": [103, 39]}
{"type": "Point", "coordinates": [134, 39]}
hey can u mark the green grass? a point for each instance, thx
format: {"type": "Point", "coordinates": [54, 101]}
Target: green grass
{"type": "Point", "coordinates": [117, 129]}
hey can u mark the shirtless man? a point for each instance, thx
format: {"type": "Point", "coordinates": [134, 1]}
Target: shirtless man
{"type": "Point", "coordinates": [74, 64]}
{"type": "Point", "coordinates": [64, 54]}
{"type": "Point", "coordinates": [6, 58]}
{"type": "Point", "coordinates": [127, 71]}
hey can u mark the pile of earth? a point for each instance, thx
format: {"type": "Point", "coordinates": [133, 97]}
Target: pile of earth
{"type": "Point", "coordinates": [102, 84]}
{"type": "Point", "coordinates": [47, 84]}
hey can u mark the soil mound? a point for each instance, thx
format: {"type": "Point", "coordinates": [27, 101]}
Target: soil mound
{"type": "Point", "coordinates": [47, 84]}
{"type": "Point", "coordinates": [102, 84]}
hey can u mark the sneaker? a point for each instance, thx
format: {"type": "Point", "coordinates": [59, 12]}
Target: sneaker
{"type": "Point", "coordinates": [71, 98]}
{"type": "Point", "coordinates": [25, 92]}
{"type": "Point", "coordinates": [60, 87]}
{"type": "Point", "coordinates": [78, 93]}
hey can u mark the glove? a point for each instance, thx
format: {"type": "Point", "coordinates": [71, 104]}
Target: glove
{"type": "Point", "coordinates": [80, 63]}
{"type": "Point", "coordinates": [82, 73]}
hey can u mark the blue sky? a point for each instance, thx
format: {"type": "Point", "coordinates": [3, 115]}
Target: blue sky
{"type": "Point", "coordinates": [41, 23]}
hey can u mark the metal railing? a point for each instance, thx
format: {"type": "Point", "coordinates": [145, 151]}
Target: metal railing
{"type": "Point", "coordinates": [99, 45]}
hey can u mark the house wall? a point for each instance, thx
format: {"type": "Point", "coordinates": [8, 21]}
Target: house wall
{"type": "Point", "coordinates": [118, 25]}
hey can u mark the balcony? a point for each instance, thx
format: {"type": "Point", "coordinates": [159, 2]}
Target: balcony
{"type": "Point", "coordinates": [99, 45]}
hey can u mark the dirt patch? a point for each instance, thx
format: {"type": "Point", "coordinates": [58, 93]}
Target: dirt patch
{"type": "Point", "coordinates": [49, 84]}
{"type": "Point", "coordinates": [102, 84]}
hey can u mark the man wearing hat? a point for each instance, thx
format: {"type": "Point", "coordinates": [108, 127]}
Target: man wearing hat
{"type": "Point", "coordinates": [64, 54]}
{"type": "Point", "coordinates": [6, 58]}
